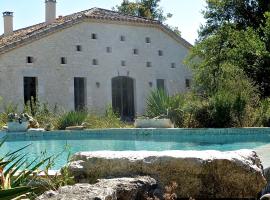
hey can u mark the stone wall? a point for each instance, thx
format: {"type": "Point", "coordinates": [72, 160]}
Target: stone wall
{"type": "Point", "coordinates": [55, 79]}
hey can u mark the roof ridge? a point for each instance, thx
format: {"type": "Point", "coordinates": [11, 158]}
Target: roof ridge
{"type": "Point", "coordinates": [23, 35]}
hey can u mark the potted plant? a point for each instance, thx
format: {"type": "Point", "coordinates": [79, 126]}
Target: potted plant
{"type": "Point", "coordinates": [18, 123]}
{"type": "Point", "coordinates": [157, 122]}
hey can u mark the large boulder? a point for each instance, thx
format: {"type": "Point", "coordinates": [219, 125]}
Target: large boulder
{"type": "Point", "coordinates": [106, 189]}
{"type": "Point", "coordinates": [199, 174]}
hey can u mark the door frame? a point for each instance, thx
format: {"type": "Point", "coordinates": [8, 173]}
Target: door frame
{"type": "Point", "coordinates": [131, 117]}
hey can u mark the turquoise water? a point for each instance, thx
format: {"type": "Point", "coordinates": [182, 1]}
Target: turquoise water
{"type": "Point", "coordinates": [54, 143]}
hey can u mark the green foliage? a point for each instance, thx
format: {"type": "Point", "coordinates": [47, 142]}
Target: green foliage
{"type": "Point", "coordinates": [17, 173]}
{"type": "Point", "coordinates": [109, 120]}
{"type": "Point", "coordinates": [43, 112]}
{"type": "Point", "coordinates": [148, 9]}
{"type": "Point", "coordinates": [144, 8]}
{"type": "Point", "coordinates": [263, 113]}
{"type": "Point", "coordinates": [72, 118]}
{"type": "Point", "coordinates": [236, 34]}
{"type": "Point", "coordinates": [161, 105]}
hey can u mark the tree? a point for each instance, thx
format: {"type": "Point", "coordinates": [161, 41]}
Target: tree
{"type": "Point", "coordinates": [144, 8]}
{"type": "Point", "coordinates": [241, 13]}
{"type": "Point", "coordinates": [237, 32]}
{"type": "Point", "coordinates": [149, 9]}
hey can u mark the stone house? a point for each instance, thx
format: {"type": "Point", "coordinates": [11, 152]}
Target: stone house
{"type": "Point", "coordinates": [91, 59]}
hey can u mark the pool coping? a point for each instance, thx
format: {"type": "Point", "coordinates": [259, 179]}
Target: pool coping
{"type": "Point", "coordinates": [141, 131]}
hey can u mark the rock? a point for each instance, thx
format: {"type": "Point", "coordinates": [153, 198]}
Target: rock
{"type": "Point", "coordinates": [265, 197]}
{"type": "Point", "coordinates": [33, 123]}
{"type": "Point", "coordinates": [266, 190]}
{"type": "Point", "coordinates": [105, 189]}
{"type": "Point", "coordinates": [75, 128]}
{"type": "Point", "coordinates": [199, 174]}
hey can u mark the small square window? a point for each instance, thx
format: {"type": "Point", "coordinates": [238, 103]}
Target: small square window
{"type": "Point", "coordinates": [172, 65]}
{"type": "Point", "coordinates": [109, 49]}
{"type": "Point", "coordinates": [148, 40]}
{"type": "Point", "coordinates": [187, 83]}
{"type": "Point", "coordinates": [160, 52]}
{"type": "Point", "coordinates": [95, 62]}
{"type": "Point", "coordinates": [63, 60]}
{"type": "Point", "coordinates": [123, 63]}
{"type": "Point", "coordinates": [78, 48]}
{"type": "Point", "coordinates": [122, 38]}
{"type": "Point", "coordinates": [29, 59]}
{"type": "Point", "coordinates": [135, 51]}
{"type": "Point", "coordinates": [94, 36]}
{"type": "Point", "coordinates": [148, 64]}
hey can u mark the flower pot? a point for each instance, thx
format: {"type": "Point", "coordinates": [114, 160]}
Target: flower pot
{"type": "Point", "coordinates": [153, 123]}
{"type": "Point", "coordinates": [17, 127]}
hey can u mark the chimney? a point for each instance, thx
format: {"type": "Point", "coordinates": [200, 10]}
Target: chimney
{"type": "Point", "coordinates": [8, 22]}
{"type": "Point", "coordinates": [50, 11]}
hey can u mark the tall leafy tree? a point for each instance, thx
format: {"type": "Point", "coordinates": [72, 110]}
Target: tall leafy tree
{"type": "Point", "coordinates": [144, 8]}
{"type": "Point", "coordinates": [148, 9]}
{"type": "Point", "coordinates": [236, 33]}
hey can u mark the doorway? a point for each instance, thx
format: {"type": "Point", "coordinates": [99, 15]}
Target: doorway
{"type": "Point", "coordinates": [123, 97]}
{"type": "Point", "coordinates": [79, 93]}
{"type": "Point", "coordinates": [30, 89]}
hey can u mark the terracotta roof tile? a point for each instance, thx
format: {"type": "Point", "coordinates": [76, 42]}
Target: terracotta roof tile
{"type": "Point", "coordinates": [21, 36]}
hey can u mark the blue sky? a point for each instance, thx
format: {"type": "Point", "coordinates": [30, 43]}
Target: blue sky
{"type": "Point", "coordinates": [186, 13]}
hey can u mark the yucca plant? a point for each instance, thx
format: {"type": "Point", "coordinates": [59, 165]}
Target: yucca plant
{"type": "Point", "coordinates": [158, 104]}
{"type": "Point", "coordinates": [16, 173]}
{"type": "Point", "coordinates": [161, 105]}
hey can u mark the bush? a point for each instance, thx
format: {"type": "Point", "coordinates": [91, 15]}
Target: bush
{"type": "Point", "coordinates": [262, 117]}
{"type": "Point", "coordinates": [161, 105]}
{"type": "Point", "coordinates": [109, 120]}
{"type": "Point", "coordinates": [43, 112]}
{"type": "Point", "coordinates": [72, 118]}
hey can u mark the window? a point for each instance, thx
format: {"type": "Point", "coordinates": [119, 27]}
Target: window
{"type": "Point", "coordinates": [187, 83]}
{"type": "Point", "coordinates": [148, 40]}
{"type": "Point", "coordinates": [148, 64]}
{"type": "Point", "coordinates": [172, 65]}
{"type": "Point", "coordinates": [29, 59]}
{"type": "Point", "coordinates": [109, 49]}
{"type": "Point", "coordinates": [95, 62]}
{"type": "Point", "coordinates": [150, 84]}
{"type": "Point", "coordinates": [63, 60]}
{"type": "Point", "coordinates": [160, 52]}
{"type": "Point", "coordinates": [161, 84]}
{"type": "Point", "coordinates": [78, 48]}
{"type": "Point", "coordinates": [122, 38]}
{"type": "Point", "coordinates": [94, 36]}
{"type": "Point", "coordinates": [123, 63]}
{"type": "Point", "coordinates": [135, 51]}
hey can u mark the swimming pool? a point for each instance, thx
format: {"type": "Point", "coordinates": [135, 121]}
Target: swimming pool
{"type": "Point", "coordinates": [139, 139]}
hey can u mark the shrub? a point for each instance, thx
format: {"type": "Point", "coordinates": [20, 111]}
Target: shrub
{"type": "Point", "coordinates": [43, 112]}
{"type": "Point", "coordinates": [109, 120]}
{"type": "Point", "coordinates": [157, 104]}
{"type": "Point", "coordinates": [262, 116]}
{"type": "Point", "coordinates": [72, 118]}
{"type": "Point", "coordinates": [161, 105]}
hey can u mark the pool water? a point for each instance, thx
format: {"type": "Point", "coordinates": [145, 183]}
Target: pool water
{"type": "Point", "coordinates": [53, 143]}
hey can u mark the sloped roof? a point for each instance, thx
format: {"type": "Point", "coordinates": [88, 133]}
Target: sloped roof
{"type": "Point", "coordinates": [31, 33]}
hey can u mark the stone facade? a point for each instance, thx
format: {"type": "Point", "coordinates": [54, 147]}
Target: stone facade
{"type": "Point", "coordinates": [55, 81]}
